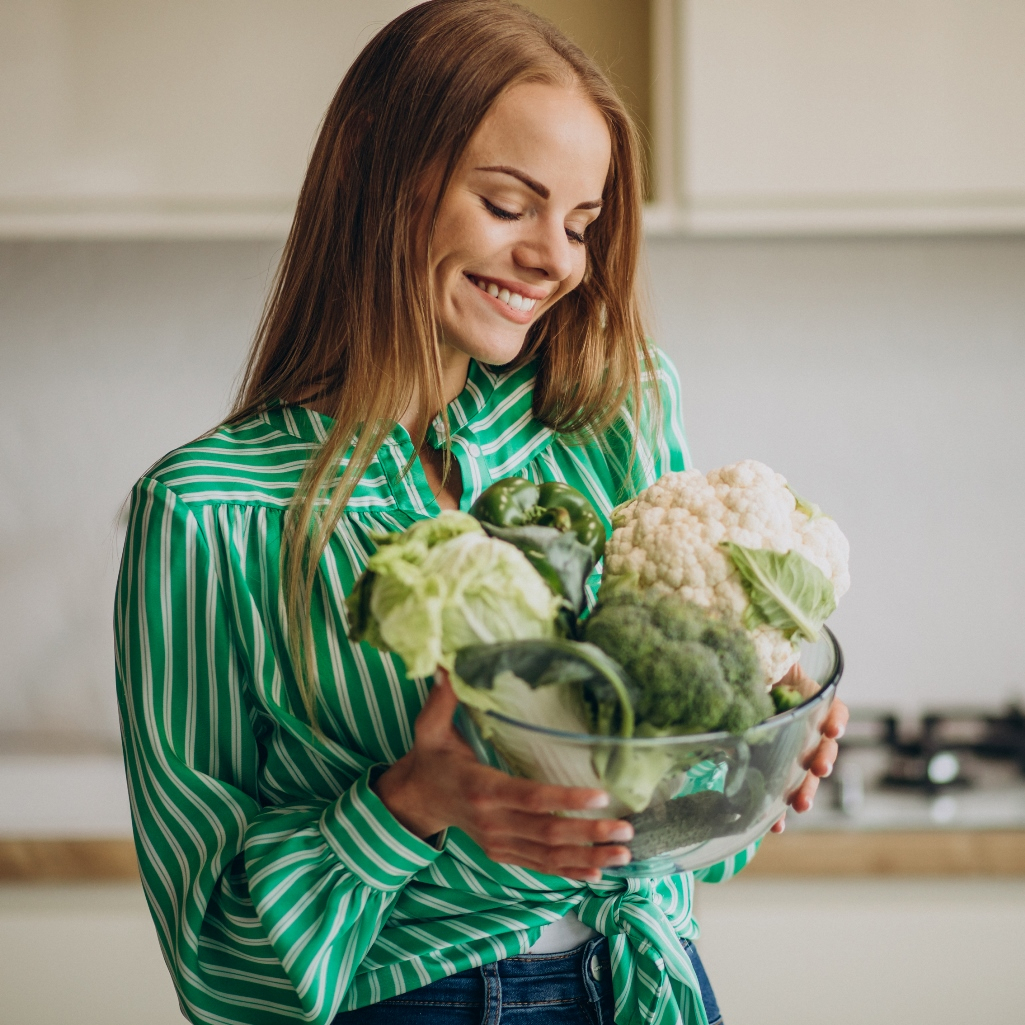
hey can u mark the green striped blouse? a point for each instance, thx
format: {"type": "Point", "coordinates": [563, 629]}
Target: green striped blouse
{"type": "Point", "coordinates": [281, 887]}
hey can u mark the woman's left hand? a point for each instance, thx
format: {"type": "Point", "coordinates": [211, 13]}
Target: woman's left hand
{"type": "Point", "coordinates": [819, 762]}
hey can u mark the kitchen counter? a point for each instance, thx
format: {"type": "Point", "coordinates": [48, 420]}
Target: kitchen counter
{"type": "Point", "coordinates": [820, 853]}
{"type": "Point", "coordinates": [66, 818]}
{"type": "Point", "coordinates": [906, 852]}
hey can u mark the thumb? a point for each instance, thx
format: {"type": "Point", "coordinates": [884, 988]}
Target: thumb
{"type": "Point", "coordinates": [435, 718]}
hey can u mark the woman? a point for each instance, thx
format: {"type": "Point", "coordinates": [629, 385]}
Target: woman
{"type": "Point", "coordinates": [455, 304]}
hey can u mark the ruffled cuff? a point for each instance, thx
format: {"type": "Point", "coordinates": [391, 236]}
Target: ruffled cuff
{"type": "Point", "coordinates": [370, 841]}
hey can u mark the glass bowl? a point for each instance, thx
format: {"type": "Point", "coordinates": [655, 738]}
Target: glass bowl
{"type": "Point", "coordinates": [718, 792]}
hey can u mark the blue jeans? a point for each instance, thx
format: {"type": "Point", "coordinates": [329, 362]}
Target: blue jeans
{"type": "Point", "coordinates": [571, 988]}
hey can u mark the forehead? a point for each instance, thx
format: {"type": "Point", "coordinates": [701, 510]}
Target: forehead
{"type": "Point", "coordinates": [554, 133]}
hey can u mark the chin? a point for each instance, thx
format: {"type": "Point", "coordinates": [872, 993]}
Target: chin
{"type": "Point", "coordinates": [494, 350]}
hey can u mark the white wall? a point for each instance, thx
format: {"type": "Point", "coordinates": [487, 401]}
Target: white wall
{"type": "Point", "coordinates": [884, 378]}
{"type": "Point", "coordinates": [110, 355]}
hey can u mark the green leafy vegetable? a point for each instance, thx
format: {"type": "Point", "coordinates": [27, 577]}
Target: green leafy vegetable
{"type": "Point", "coordinates": [695, 818]}
{"type": "Point", "coordinates": [589, 682]}
{"type": "Point", "coordinates": [559, 557]}
{"type": "Point", "coordinates": [556, 684]}
{"type": "Point", "coordinates": [442, 585]}
{"type": "Point", "coordinates": [786, 591]}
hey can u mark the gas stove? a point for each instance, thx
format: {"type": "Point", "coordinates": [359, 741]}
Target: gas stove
{"type": "Point", "coordinates": [960, 768]}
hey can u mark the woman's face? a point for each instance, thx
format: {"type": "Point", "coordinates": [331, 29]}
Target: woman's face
{"type": "Point", "coordinates": [510, 237]}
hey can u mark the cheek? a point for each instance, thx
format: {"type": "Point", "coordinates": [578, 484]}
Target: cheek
{"type": "Point", "coordinates": [459, 243]}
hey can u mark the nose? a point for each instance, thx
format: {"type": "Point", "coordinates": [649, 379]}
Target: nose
{"type": "Point", "coordinates": [546, 249]}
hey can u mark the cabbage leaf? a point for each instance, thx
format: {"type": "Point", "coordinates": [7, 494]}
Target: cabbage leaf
{"type": "Point", "coordinates": [784, 590]}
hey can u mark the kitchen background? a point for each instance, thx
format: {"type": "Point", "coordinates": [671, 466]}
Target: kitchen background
{"type": "Point", "coordinates": [836, 263]}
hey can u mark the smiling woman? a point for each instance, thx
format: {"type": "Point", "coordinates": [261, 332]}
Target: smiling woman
{"type": "Point", "coordinates": [514, 216]}
{"type": "Point", "coordinates": [455, 305]}
{"type": "Point", "coordinates": [509, 236]}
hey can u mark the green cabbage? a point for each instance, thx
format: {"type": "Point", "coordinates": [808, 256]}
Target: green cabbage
{"type": "Point", "coordinates": [443, 585]}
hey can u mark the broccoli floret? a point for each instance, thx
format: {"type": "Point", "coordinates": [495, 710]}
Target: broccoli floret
{"type": "Point", "coordinates": [693, 673]}
{"type": "Point", "coordinates": [786, 696]}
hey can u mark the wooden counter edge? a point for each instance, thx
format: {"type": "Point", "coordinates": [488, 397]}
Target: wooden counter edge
{"type": "Point", "coordinates": [67, 861]}
{"type": "Point", "coordinates": [990, 852]}
{"type": "Point", "coordinates": [794, 854]}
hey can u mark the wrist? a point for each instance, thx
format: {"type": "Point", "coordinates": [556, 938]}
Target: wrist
{"type": "Point", "coordinates": [399, 793]}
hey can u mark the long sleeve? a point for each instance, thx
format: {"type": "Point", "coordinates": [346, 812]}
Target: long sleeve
{"type": "Point", "coordinates": [265, 898]}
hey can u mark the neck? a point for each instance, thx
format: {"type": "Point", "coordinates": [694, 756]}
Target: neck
{"type": "Point", "coordinates": [455, 365]}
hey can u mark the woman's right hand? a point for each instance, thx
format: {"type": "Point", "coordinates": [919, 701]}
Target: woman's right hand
{"type": "Point", "coordinates": [440, 783]}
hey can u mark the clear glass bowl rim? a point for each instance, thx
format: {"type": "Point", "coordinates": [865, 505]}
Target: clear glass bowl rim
{"type": "Point", "coordinates": [774, 722]}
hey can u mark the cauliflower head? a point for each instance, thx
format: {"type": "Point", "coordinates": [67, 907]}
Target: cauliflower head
{"type": "Point", "coordinates": [671, 540]}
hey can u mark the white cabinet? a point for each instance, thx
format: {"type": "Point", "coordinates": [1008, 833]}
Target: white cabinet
{"type": "Point", "coordinates": [848, 951]}
{"type": "Point", "coordinates": [139, 117]}
{"type": "Point", "coordinates": [827, 115]}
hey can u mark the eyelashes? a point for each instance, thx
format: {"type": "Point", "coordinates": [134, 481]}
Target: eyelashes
{"type": "Point", "coordinates": [497, 211]}
{"type": "Point", "coordinates": [508, 215]}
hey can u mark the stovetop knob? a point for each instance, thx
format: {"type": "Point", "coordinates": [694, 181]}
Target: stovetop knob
{"type": "Point", "coordinates": [943, 767]}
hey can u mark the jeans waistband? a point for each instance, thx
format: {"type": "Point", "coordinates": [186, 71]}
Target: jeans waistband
{"type": "Point", "coordinates": [565, 977]}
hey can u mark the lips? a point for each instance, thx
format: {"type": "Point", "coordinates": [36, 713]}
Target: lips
{"type": "Point", "coordinates": [514, 300]}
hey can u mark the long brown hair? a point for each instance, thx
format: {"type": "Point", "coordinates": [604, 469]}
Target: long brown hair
{"type": "Point", "coordinates": [351, 318]}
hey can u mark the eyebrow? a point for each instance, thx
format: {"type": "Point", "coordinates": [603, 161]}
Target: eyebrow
{"type": "Point", "coordinates": [535, 186]}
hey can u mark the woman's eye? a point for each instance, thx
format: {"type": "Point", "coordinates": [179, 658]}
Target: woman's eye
{"type": "Point", "coordinates": [497, 211]}
{"type": "Point", "coordinates": [575, 236]}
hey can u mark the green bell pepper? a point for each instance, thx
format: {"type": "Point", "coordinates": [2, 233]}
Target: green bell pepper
{"type": "Point", "coordinates": [517, 502]}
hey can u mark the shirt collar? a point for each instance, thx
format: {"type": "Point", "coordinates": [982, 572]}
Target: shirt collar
{"type": "Point", "coordinates": [491, 434]}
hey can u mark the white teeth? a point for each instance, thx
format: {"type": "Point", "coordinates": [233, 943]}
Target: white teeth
{"type": "Point", "coordinates": [512, 299]}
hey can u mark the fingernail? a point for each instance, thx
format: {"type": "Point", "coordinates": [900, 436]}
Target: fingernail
{"type": "Point", "coordinates": [829, 771]}
{"type": "Point", "coordinates": [620, 859]}
{"type": "Point", "coordinates": [598, 801]}
{"type": "Point", "coordinates": [782, 825]}
{"type": "Point", "coordinates": [840, 731]}
{"type": "Point", "coordinates": [623, 832]}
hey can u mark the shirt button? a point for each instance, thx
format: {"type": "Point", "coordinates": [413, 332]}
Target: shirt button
{"type": "Point", "coordinates": [474, 450]}
{"type": "Point", "coordinates": [595, 968]}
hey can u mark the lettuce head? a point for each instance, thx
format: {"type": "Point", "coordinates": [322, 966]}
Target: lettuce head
{"type": "Point", "coordinates": [443, 585]}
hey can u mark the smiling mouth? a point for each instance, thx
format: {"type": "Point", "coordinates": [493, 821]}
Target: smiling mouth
{"type": "Point", "coordinates": [513, 300]}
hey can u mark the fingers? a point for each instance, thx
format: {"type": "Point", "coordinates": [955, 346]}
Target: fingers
{"type": "Point", "coordinates": [526, 795]}
{"type": "Point", "coordinates": [779, 825]}
{"type": "Point", "coordinates": [570, 861]}
{"type": "Point", "coordinates": [803, 798]}
{"type": "Point", "coordinates": [560, 831]}
{"type": "Point", "coordinates": [821, 760]}
{"type": "Point", "coordinates": [835, 722]}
